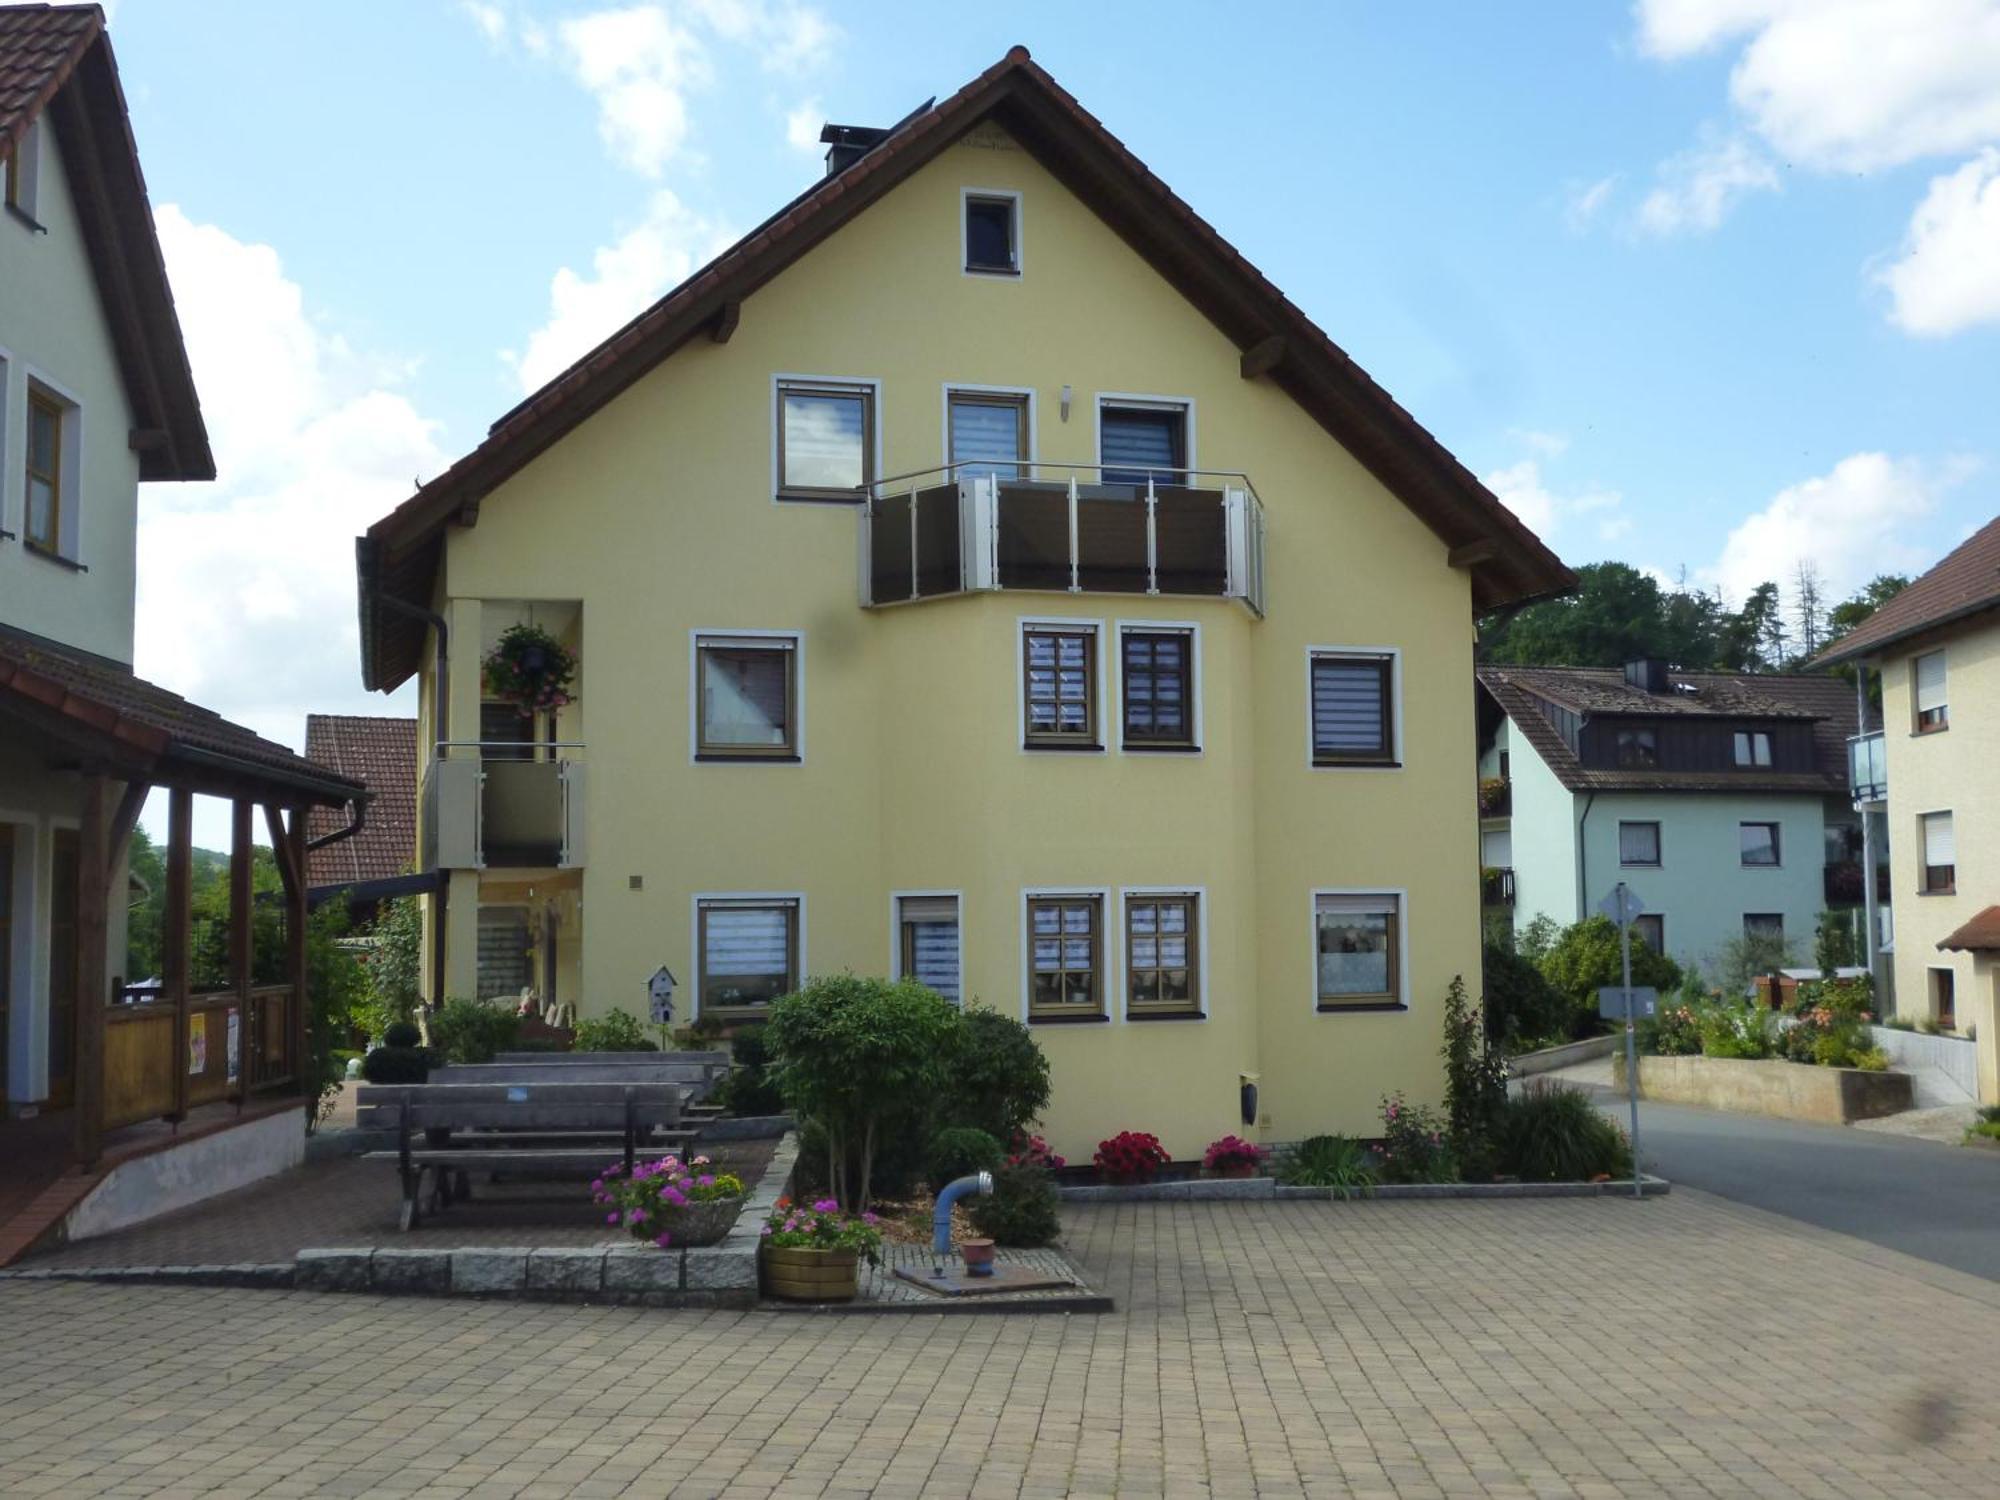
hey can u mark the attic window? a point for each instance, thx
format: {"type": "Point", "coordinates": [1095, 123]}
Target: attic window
{"type": "Point", "coordinates": [1638, 749]}
{"type": "Point", "coordinates": [1753, 748]}
{"type": "Point", "coordinates": [993, 234]}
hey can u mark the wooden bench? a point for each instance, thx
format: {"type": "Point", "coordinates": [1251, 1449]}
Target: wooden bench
{"type": "Point", "coordinates": [452, 1129]}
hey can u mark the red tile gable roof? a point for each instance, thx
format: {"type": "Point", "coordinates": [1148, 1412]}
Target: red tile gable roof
{"type": "Point", "coordinates": [398, 556]}
{"type": "Point", "coordinates": [1966, 582]}
{"type": "Point", "coordinates": [382, 753]}
{"type": "Point", "coordinates": [1826, 701]}
{"type": "Point", "coordinates": [56, 65]}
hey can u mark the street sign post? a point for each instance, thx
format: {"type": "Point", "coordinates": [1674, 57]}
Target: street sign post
{"type": "Point", "coordinates": [1623, 906]}
{"type": "Point", "coordinates": [1612, 1001]}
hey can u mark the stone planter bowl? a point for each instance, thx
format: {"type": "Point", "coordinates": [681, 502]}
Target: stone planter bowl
{"type": "Point", "coordinates": [701, 1223]}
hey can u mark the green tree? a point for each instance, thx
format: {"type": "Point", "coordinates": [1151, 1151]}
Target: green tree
{"type": "Point", "coordinates": [852, 1052]}
{"type": "Point", "coordinates": [1586, 958]}
{"type": "Point", "coordinates": [1872, 595]}
{"type": "Point", "coordinates": [142, 920]}
{"type": "Point", "coordinates": [394, 966]}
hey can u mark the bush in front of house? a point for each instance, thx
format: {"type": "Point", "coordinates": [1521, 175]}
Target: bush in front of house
{"type": "Point", "coordinates": [995, 1077]}
{"type": "Point", "coordinates": [402, 1034]}
{"type": "Point", "coordinates": [1554, 1133]}
{"type": "Point", "coordinates": [615, 1031]}
{"type": "Point", "coordinates": [1233, 1156]}
{"type": "Point", "coordinates": [1023, 1211]}
{"type": "Point", "coordinates": [1416, 1143]}
{"type": "Point", "coordinates": [398, 1064]}
{"type": "Point", "coordinates": [1586, 957]}
{"type": "Point", "coordinates": [850, 1054]}
{"type": "Point", "coordinates": [472, 1031]}
{"type": "Point", "coordinates": [749, 1089]}
{"type": "Point", "coordinates": [1523, 1011]}
{"type": "Point", "coordinates": [1329, 1161]}
{"type": "Point", "coordinates": [959, 1151]}
{"type": "Point", "coordinates": [1130, 1156]}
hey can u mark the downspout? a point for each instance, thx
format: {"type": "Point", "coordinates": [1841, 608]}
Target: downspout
{"type": "Point", "coordinates": [357, 819]}
{"type": "Point", "coordinates": [980, 1183]}
{"type": "Point", "coordinates": [1583, 861]}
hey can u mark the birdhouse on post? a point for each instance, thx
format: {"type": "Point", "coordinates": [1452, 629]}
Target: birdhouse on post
{"type": "Point", "coordinates": [660, 995]}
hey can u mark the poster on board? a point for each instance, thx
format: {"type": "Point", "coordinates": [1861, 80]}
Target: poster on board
{"type": "Point", "coordinates": [198, 1043]}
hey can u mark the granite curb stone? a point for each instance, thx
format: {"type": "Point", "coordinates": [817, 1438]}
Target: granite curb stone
{"type": "Point", "coordinates": [1265, 1188]}
{"type": "Point", "coordinates": [425, 1271]}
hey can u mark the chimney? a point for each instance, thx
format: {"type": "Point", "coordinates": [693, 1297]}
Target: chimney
{"type": "Point", "coordinates": [1648, 674]}
{"type": "Point", "coordinates": [847, 144]}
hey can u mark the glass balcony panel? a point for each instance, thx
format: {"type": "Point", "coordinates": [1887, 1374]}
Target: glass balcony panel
{"type": "Point", "coordinates": [1111, 542]}
{"type": "Point", "coordinates": [889, 562]}
{"type": "Point", "coordinates": [938, 559]}
{"type": "Point", "coordinates": [523, 813]}
{"type": "Point", "coordinates": [1192, 541]}
{"type": "Point", "coordinates": [1033, 529]}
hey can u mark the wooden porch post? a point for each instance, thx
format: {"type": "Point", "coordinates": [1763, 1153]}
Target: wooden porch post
{"type": "Point", "coordinates": [92, 967]}
{"type": "Point", "coordinates": [241, 937]}
{"type": "Point", "coordinates": [295, 944]}
{"type": "Point", "coordinates": [177, 932]}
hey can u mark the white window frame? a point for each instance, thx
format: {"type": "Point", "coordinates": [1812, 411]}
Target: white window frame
{"type": "Point", "coordinates": [694, 932]}
{"type": "Point", "coordinates": [1401, 1007]}
{"type": "Point", "coordinates": [896, 899]}
{"type": "Point", "coordinates": [798, 640]}
{"type": "Point", "coordinates": [1190, 628]}
{"type": "Point", "coordinates": [1202, 1007]}
{"type": "Point", "coordinates": [951, 388]}
{"type": "Point", "coordinates": [1916, 690]}
{"type": "Point", "coordinates": [1145, 401]}
{"type": "Point", "coordinates": [1114, 960]}
{"type": "Point", "coordinates": [69, 535]}
{"type": "Point", "coordinates": [1659, 859]}
{"type": "Point", "coordinates": [1924, 848]}
{"type": "Point", "coordinates": [994, 195]}
{"type": "Point", "coordinates": [1022, 625]}
{"type": "Point", "coordinates": [777, 415]}
{"type": "Point", "coordinates": [1747, 739]}
{"type": "Point", "coordinates": [1398, 760]}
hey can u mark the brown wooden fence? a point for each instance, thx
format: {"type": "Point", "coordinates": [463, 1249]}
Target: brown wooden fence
{"type": "Point", "coordinates": [162, 1059]}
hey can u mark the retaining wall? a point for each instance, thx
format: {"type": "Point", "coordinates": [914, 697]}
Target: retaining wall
{"type": "Point", "coordinates": [1780, 1090]}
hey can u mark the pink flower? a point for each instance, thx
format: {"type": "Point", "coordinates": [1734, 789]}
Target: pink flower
{"type": "Point", "coordinates": [766, 1229]}
{"type": "Point", "coordinates": [661, 1241]}
{"type": "Point", "coordinates": [611, 1218]}
{"type": "Point", "coordinates": [827, 1206]}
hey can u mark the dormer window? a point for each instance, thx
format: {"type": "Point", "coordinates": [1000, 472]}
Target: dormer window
{"type": "Point", "coordinates": [993, 234]}
{"type": "Point", "coordinates": [1753, 748]}
{"type": "Point", "coordinates": [1638, 749]}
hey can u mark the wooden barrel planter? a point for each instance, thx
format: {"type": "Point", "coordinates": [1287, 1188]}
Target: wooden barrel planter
{"type": "Point", "coordinates": [807, 1275]}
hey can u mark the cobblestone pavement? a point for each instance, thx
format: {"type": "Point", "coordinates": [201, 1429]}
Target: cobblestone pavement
{"type": "Point", "coordinates": [1594, 1348]}
{"type": "Point", "coordinates": [352, 1202]}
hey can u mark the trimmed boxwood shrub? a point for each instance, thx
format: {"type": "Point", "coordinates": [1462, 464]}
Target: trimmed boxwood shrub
{"type": "Point", "coordinates": [959, 1151]}
{"type": "Point", "coordinates": [398, 1064]}
{"type": "Point", "coordinates": [1023, 1211]}
{"type": "Point", "coordinates": [402, 1034]}
{"type": "Point", "coordinates": [616, 1031]}
{"type": "Point", "coordinates": [471, 1031]}
{"type": "Point", "coordinates": [995, 1077]}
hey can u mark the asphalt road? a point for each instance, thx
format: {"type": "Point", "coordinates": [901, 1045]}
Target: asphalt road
{"type": "Point", "coordinates": [1941, 1203]}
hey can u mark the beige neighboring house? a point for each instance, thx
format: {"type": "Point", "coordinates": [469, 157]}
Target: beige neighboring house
{"type": "Point", "coordinates": [1936, 767]}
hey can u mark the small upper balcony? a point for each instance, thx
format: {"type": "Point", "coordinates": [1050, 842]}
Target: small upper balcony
{"type": "Point", "coordinates": [492, 804]}
{"type": "Point", "coordinates": [1066, 528]}
{"type": "Point", "coordinates": [1867, 768]}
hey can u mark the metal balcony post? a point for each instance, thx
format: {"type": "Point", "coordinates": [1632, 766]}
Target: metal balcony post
{"type": "Point", "coordinates": [1152, 537]}
{"type": "Point", "coordinates": [913, 539]}
{"type": "Point", "coordinates": [1075, 586]}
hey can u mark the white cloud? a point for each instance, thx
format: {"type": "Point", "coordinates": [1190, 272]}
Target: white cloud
{"type": "Point", "coordinates": [1547, 444]}
{"type": "Point", "coordinates": [1588, 202]}
{"type": "Point", "coordinates": [640, 65]}
{"type": "Point", "coordinates": [246, 595]}
{"type": "Point", "coordinates": [1848, 85]}
{"type": "Point", "coordinates": [490, 19]}
{"type": "Point", "coordinates": [802, 127]}
{"type": "Point", "coordinates": [626, 277]}
{"type": "Point", "coordinates": [1947, 276]}
{"type": "Point", "coordinates": [1698, 188]}
{"type": "Point", "coordinates": [1524, 491]}
{"type": "Point", "coordinates": [1852, 523]}
{"type": "Point", "coordinates": [644, 63]}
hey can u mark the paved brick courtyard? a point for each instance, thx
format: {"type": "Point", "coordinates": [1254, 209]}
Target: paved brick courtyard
{"type": "Point", "coordinates": [1540, 1348]}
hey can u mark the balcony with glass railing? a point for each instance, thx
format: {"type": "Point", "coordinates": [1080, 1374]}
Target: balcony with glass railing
{"type": "Point", "coordinates": [1065, 528]}
{"type": "Point", "coordinates": [1867, 768]}
{"type": "Point", "coordinates": [491, 804]}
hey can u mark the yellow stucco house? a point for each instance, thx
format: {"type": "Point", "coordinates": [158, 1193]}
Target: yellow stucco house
{"type": "Point", "coordinates": [978, 572]}
{"type": "Point", "coordinates": [1935, 768]}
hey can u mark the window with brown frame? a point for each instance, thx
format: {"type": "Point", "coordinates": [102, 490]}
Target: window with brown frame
{"type": "Point", "coordinates": [747, 696]}
{"type": "Point", "coordinates": [826, 440]}
{"type": "Point", "coordinates": [928, 942]}
{"type": "Point", "coordinates": [1927, 685]}
{"type": "Point", "coordinates": [1162, 957]}
{"type": "Point", "coordinates": [1156, 683]}
{"type": "Point", "coordinates": [1059, 687]}
{"type": "Point", "coordinates": [1944, 999]}
{"type": "Point", "coordinates": [1939, 845]}
{"type": "Point", "coordinates": [1358, 939]}
{"type": "Point", "coordinates": [987, 431]}
{"type": "Point", "coordinates": [45, 478]}
{"type": "Point", "coordinates": [1651, 929]}
{"type": "Point", "coordinates": [747, 952]}
{"type": "Point", "coordinates": [1066, 958]}
{"type": "Point", "coordinates": [1353, 709]}
{"type": "Point", "coordinates": [992, 234]}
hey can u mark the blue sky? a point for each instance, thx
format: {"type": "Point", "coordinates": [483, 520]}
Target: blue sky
{"type": "Point", "coordinates": [1702, 284]}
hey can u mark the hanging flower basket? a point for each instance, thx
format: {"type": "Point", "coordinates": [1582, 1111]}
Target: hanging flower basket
{"type": "Point", "coordinates": [530, 669]}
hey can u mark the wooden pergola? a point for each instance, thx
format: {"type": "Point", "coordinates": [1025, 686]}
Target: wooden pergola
{"type": "Point", "coordinates": [160, 1054]}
